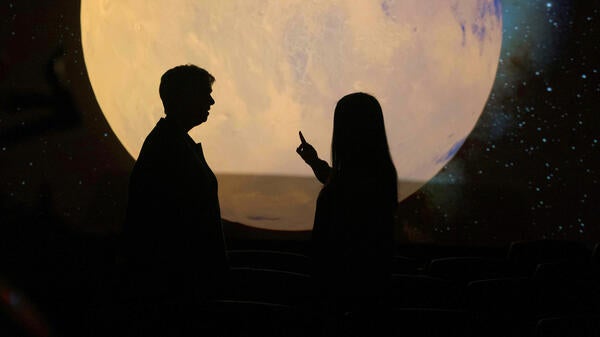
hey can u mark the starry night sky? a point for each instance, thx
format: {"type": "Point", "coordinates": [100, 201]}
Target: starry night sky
{"type": "Point", "coordinates": [529, 170]}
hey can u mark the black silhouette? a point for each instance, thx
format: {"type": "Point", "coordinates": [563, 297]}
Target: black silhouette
{"type": "Point", "coordinates": [309, 154]}
{"type": "Point", "coordinates": [352, 235]}
{"type": "Point", "coordinates": [173, 233]}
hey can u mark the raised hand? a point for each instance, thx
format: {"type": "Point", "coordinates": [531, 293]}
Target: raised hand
{"type": "Point", "coordinates": [306, 151]}
{"type": "Point", "coordinates": [309, 154]}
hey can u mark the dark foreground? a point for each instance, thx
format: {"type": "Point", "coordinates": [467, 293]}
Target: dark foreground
{"type": "Point", "coordinates": [55, 283]}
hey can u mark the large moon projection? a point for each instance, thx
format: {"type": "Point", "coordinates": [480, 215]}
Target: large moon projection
{"type": "Point", "coordinates": [280, 67]}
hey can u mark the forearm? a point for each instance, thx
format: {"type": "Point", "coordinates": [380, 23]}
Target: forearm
{"type": "Point", "coordinates": [321, 170]}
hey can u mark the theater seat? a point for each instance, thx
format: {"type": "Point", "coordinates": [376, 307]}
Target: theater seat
{"type": "Point", "coordinates": [428, 322]}
{"type": "Point", "coordinates": [502, 307]}
{"type": "Point", "coordinates": [569, 326]}
{"type": "Point", "coordinates": [524, 256]}
{"type": "Point", "coordinates": [267, 285]}
{"type": "Point", "coordinates": [407, 265]}
{"type": "Point", "coordinates": [421, 291]}
{"type": "Point", "coordinates": [466, 269]}
{"type": "Point", "coordinates": [565, 288]}
{"type": "Point", "coordinates": [269, 259]}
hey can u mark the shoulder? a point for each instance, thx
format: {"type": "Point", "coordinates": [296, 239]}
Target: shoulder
{"type": "Point", "coordinates": [162, 141]}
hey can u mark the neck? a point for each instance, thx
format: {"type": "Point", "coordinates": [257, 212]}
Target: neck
{"type": "Point", "coordinates": [181, 124]}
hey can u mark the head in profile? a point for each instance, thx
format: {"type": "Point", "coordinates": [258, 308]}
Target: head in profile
{"type": "Point", "coordinates": [359, 142]}
{"type": "Point", "coordinates": [185, 92]}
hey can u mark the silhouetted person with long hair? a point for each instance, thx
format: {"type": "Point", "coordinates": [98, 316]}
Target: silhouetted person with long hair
{"type": "Point", "coordinates": [173, 233]}
{"type": "Point", "coordinates": [352, 235]}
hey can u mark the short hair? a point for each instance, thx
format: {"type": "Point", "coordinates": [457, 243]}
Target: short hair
{"type": "Point", "coordinates": [180, 82]}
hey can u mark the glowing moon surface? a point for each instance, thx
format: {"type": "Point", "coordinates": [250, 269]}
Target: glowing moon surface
{"type": "Point", "coordinates": [280, 67]}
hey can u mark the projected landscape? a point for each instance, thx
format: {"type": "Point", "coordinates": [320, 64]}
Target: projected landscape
{"type": "Point", "coordinates": [515, 82]}
{"type": "Point", "coordinates": [280, 68]}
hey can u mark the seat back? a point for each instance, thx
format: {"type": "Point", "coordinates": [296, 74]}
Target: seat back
{"type": "Point", "coordinates": [568, 326]}
{"type": "Point", "coordinates": [429, 322]}
{"type": "Point", "coordinates": [421, 291]}
{"type": "Point", "coordinates": [467, 269]}
{"type": "Point", "coordinates": [269, 259]}
{"type": "Point", "coordinates": [502, 307]}
{"type": "Point", "coordinates": [524, 256]}
{"type": "Point", "coordinates": [267, 285]}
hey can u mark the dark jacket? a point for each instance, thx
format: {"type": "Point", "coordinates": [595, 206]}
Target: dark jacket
{"type": "Point", "coordinates": [173, 232]}
{"type": "Point", "coordinates": [352, 235]}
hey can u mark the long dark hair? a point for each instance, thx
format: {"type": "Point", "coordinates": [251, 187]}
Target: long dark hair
{"type": "Point", "coordinates": [359, 145]}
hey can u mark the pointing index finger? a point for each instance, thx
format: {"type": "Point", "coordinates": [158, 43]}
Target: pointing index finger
{"type": "Point", "coordinates": [302, 137]}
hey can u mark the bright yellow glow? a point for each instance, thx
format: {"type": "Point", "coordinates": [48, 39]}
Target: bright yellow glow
{"type": "Point", "coordinates": [280, 67]}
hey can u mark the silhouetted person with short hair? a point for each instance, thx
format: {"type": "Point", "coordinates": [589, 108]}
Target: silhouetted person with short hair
{"type": "Point", "coordinates": [173, 233]}
{"type": "Point", "coordinates": [352, 235]}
